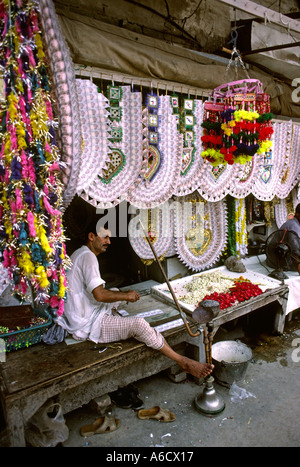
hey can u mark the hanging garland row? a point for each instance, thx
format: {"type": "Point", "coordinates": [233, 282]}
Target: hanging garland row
{"type": "Point", "coordinates": [32, 245]}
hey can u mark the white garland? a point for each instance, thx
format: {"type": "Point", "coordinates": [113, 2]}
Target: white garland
{"type": "Point", "coordinates": [64, 80]}
{"type": "Point", "coordinates": [213, 232]}
{"type": "Point", "coordinates": [94, 126]}
{"type": "Point", "coordinates": [154, 192]}
{"type": "Point", "coordinates": [105, 195]}
{"type": "Point", "coordinates": [162, 226]}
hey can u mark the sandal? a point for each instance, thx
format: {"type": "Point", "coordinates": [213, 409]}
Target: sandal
{"type": "Point", "coordinates": [105, 424]}
{"type": "Point", "coordinates": [156, 413]}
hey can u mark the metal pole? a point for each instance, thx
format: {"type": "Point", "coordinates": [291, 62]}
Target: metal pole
{"type": "Point", "coordinates": [169, 285]}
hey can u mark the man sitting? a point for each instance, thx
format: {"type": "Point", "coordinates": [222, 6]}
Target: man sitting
{"type": "Point", "coordinates": [293, 225]}
{"type": "Point", "coordinates": [89, 308]}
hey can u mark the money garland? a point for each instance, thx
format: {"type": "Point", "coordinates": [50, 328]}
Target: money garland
{"type": "Point", "coordinates": [275, 163]}
{"type": "Point", "coordinates": [193, 165]}
{"type": "Point", "coordinates": [93, 126]}
{"type": "Point", "coordinates": [200, 240]}
{"type": "Point", "coordinates": [152, 153]}
{"type": "Point", "coordinates": [159, 225]}
{"type": "Point", "coordinates": [291, 172]}
{"type": "Point", "coordinates": [157, 190]}
{"type": "Point", "coordinates": [284, 208]}
{"type": "Point", "coordinates": [125, 141]}
{"type": "Point", "coordinates": [31, 232]}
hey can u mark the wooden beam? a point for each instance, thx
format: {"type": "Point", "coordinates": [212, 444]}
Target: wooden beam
{"type": "Point", "coordinates": [264, 13]}
{"type": "Point", "coordinates": [269, 49]}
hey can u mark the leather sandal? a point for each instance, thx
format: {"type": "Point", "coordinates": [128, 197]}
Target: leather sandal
{"type": "Point", "coordinates": [156, 413]}
{"type": "Point", "coordinates": [105, 424]}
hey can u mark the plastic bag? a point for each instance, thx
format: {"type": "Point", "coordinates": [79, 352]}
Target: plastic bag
{"type": "Point", "coordinates": [237, 394]}
{"type": "Point", "coordinates": [54, 335]}
{"type": "Point", "coordinates": [47, 426]}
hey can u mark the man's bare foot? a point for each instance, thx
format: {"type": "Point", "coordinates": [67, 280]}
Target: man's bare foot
{"type": "Point", "coordinates": [199, 370]}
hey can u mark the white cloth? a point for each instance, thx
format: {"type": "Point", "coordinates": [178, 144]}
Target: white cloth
{"type": "Point", "coordinates": [83, 314]}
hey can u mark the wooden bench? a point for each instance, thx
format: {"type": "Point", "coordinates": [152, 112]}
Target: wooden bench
{"type": "Point", "coordinates": [73, 375]}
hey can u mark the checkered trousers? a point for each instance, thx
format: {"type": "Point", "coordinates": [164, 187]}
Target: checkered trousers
{"type": "Point", "coordinates": [116, 328]}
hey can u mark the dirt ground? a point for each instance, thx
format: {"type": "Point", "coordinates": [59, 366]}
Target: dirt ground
{"type": "Point", "coordinates": [268, 417]}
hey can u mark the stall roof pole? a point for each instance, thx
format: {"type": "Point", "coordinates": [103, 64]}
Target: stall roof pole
{"type": "Point", "coordinates": [264, 13]}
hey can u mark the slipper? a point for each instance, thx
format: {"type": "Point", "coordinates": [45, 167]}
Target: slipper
{"type": "Point", "coordinates": [156, 413]}
{"type": "Point", "coordinates": [105, 424]}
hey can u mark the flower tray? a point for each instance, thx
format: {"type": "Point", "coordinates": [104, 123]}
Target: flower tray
{"type": "Point", "coordinates": [14, 317]}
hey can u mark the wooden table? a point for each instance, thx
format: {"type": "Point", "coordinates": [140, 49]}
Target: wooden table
{"type": "Point", "coordinates": [277, 296]}
{"type": "Point", "coordinates": [75, 374]}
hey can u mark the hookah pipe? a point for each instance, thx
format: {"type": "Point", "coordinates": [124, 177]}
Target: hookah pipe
{"type": "Point", "coordinates": [204, 314]}
{"type": "Point", "coordinates": [169, 286]}
{"type": "Point", "coordinates": [208, 340]}
{"type": "Point", "coordinates": [208, 402]}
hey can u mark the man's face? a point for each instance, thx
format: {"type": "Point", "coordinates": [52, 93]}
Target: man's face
{"type": "Point", "coordinates": [101, 241]}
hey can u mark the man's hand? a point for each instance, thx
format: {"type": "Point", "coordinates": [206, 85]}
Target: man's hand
{"type": "Point", "coordinates": [109, 296]}
{"type": "Point", "coordinates": [132, 296]}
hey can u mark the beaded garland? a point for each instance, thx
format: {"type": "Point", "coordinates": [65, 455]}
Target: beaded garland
{"type": "Point", "coordinates": [31, 232]}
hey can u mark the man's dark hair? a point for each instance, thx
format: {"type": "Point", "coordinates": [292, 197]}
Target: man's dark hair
{"type": "Point", "coordinates": [297, 210]}
{"type": "Point", "coordinates": [92, 227]}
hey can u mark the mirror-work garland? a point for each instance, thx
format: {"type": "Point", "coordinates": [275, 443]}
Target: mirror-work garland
{"type": "Point", "coordinates": [31, 233]}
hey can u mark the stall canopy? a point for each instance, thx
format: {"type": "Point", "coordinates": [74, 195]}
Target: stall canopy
{"type": "Point", "coordinates": [184, 42]}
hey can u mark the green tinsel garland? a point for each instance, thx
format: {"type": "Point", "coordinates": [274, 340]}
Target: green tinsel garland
{"type": "Point", "coordinates": [230, 202]}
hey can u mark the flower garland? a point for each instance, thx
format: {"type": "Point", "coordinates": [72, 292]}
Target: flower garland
{"type": "Point", "coordinates": [31, 232]}
{"type": "Point", "coordinates": [240, 228]}
{"type": "Point", "coordinates": [237, 128]}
